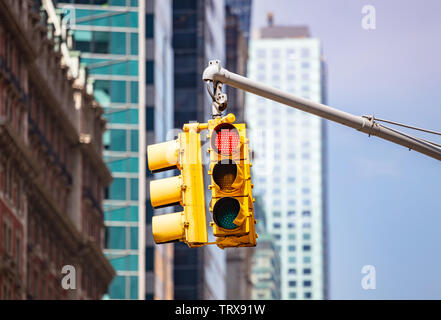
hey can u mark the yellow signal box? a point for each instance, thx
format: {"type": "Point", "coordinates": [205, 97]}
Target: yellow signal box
{"type": "Point", "coordinates": [187, 189]}
{"type": "Point", "coordinates": [231, 188]}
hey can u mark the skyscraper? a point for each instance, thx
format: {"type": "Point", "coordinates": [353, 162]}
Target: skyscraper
{"type": "Point", "coordinates": [130, 57]}
{"type": "Point", "coordinates": [265, 267]}
{"type": "Point", "coordinates": [289, 166]}
{"type": "Point", "coordinates": [237, 15]}
{"type": "Point", "coordinates": [241, 9]}
{"type": "Point", "coordinates": [236, 60]}
{"type": "Point", "coordinates": [198, 36]}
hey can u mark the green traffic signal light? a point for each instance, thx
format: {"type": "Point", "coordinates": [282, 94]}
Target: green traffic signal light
{"type": "Point", "coordinates": [225, 212]}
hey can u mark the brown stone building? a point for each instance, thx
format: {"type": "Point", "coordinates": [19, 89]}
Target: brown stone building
{"type": "Point", "coordinates": [52, 175]}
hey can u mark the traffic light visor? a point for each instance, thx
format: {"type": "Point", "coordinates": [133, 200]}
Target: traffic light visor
{"type": "Point", "coordinates": [163, 156]}
{"type": "Point", "coordinates": [168, 227]}
{"type": "Point", "coordinates": [165, 192]}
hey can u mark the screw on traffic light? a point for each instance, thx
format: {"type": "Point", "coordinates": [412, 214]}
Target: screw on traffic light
{"type": "Point", "coordinates": [231, 188]}
{"type": "Point", "coordinates": [187, 189]}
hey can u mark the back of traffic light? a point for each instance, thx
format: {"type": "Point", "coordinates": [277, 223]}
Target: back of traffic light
{"type": "Point", "coordinates": [187, 189]}
{"type": "Point", "coordinates": [231, 188]}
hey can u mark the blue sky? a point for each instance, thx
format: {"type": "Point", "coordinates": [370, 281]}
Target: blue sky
{"type": "Point", "coordinates": [384, 201]}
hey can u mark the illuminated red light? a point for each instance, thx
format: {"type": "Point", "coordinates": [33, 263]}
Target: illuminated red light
{"type": "Point", "coordinates": [226, 139]}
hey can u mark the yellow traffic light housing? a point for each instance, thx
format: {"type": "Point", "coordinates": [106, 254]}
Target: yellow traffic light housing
{"type": "Point", "coordinates": [187, 189]}
{"type": "Point", "coordinates": [231, 188]}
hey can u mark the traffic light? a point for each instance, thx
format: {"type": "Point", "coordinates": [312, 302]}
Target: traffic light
{"type": "Point", "coordinates": [187, 189]}
{"type": "Point", "coordinates": [231, 188]}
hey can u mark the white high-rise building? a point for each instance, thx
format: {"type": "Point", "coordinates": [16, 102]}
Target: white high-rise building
{"type": "Point", "coordinates": [289, 156]}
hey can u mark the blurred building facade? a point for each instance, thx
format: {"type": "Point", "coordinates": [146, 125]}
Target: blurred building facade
{"type": "Point", "coordinates": [107, 32]}
{"type": "Point", "coordinates": [198, 36]}
{"type": "Point", "coordinates": [290, 156]}
{"type": "Point", "coordinates": [265, 261]}
{"type": "Point", "coordinates": [243, 10]}
{"type": "Point", "coordinates": [265, 271]}
{"type": "Point", "coordinates": [52, 175]}
{"type": "Point", "coordinates": [236, 61]}
{"type": "Point", "coordinates": [237, 23]}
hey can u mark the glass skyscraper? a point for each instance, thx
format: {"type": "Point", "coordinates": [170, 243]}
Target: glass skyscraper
{"type": "Point", "coordinates": [109, 35]}
{"type": "Point", "coordinates": [289, 165]}
{"type": "Point", "coordinates": [242, 9]}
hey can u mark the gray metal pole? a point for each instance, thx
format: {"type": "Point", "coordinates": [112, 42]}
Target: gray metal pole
{"type": "Point", "coordinates": [214, 72]}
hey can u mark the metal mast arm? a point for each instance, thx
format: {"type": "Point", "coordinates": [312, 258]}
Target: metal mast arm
{"type": "Point", "coordinates": [214, 72]}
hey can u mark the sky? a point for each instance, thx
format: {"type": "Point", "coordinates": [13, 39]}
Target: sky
{"type": "Point", "coordinates": [384, 201]}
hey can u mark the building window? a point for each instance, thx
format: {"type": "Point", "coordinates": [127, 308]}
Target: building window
{"type": "Point", "coordinates": [134, 189]}
{"type": "Point", "coordinates": [307, 271]}
{"type": "Point", "coordinates": [150, 71]}
{"type": "Point", "coordinates": [306, 248]}
{"type": "Point", "coordinates": [306, 236]}
{"type": "Point", "coordinates": [117, 190]}
{"type": "Point", "coordinates": [292, 271]}
{"type": "Point", "coordinates": [261, 53]}
{"type": "Point", "coordinates": [276, 78]}
{"type": "Point", "coordinates": [6, 289]}
{"type": "Point", "coordinates": [306, 156]}
{"type": "Point", "coordinates": [308, 295]}
{"type": "Point", "coordinates": [276, 66]}
{"type": "Point", "coordinates": [18, 253]}
{"type": "Point", "coordinates": [306, 259]}
{"type": "Point", "coordinates": [275, 53]}
{"type": "Point", "coordinates": [292, 248]}
{"type": "Point", "coordinates": [150, 24]}
{"type": "Point", "coordinates": [292, 283]}
{"type": "Point", "coordinates": [306, 225]}
{"type": "Point", "coordinates": [306, 213]}
{"type": "Point", "coordinates": [305, 90]}
{"type": "Point", "coordinates": [118, 288]}
{"type": "Point", "coordinates": [293, 295]}
{"type": "Point", "coordinates": [290, 53]}
{"type": "Point", "coordinates": [307, 283]}
{"type": "Point", "coordinates": [184, 40]}
{"type": "Point", "coordinates": [7, 237]}
{"type": "Point", "coordinates": [115, 237]}
{"type": "Point", "coordinates": [305, 52]}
